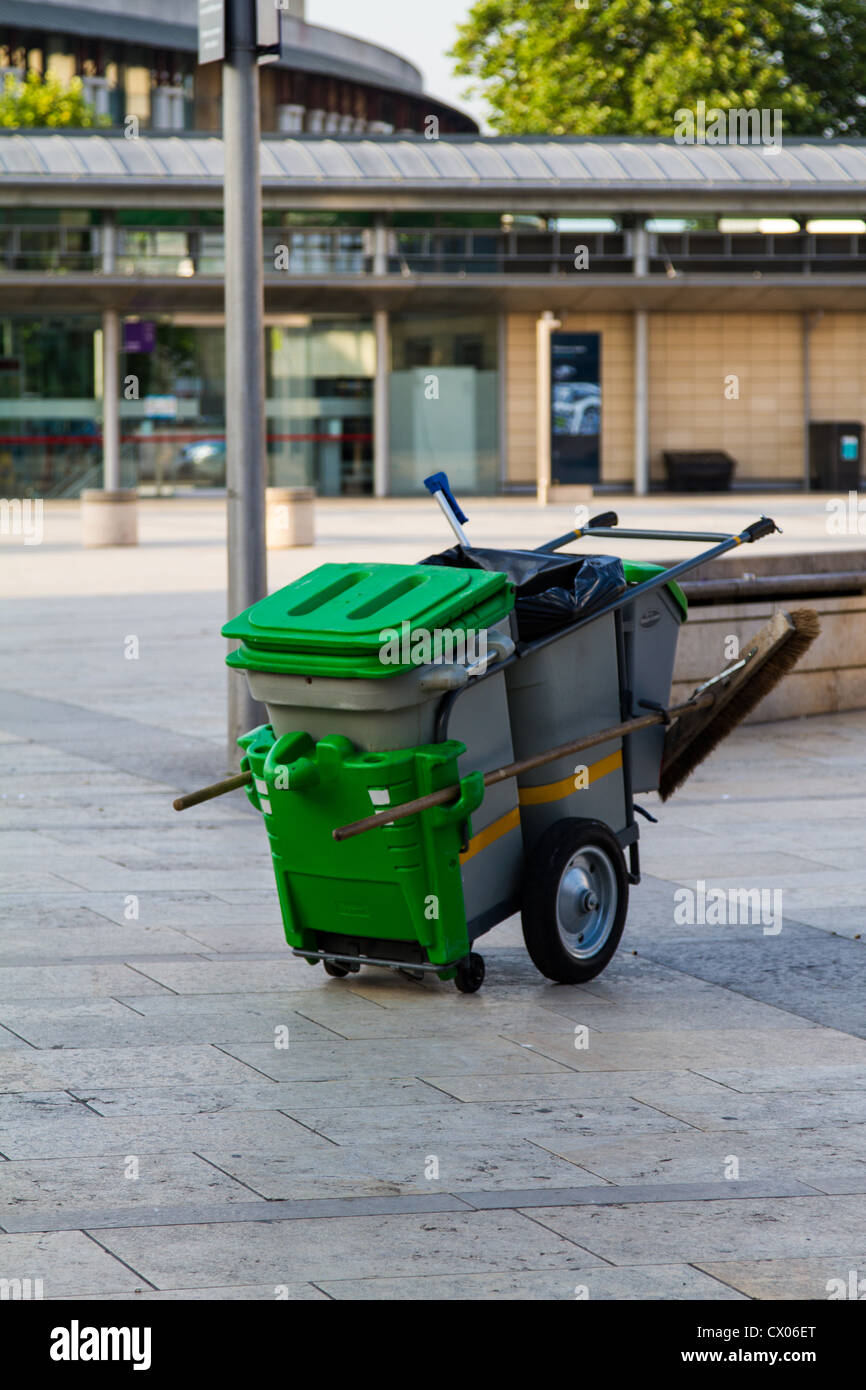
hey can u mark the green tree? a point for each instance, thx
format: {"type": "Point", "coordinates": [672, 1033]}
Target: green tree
{"type": "Point", "coordinates": [621, 67]}
{"type": "Point", "coordinates": [46, 101]}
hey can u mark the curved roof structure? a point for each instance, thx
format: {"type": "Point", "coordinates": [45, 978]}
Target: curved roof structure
{"type": "Point", "coordinates": [468, 171]}
{"type": "Point", "coordinates": [174, 24]}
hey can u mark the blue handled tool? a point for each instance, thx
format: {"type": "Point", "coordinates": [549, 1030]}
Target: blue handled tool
{"type": "Point", "coordinates": [438, 485]}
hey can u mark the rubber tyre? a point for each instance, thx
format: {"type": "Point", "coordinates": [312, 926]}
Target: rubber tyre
{"type": "Point", "coordinates": [335, 968]}
{"type": "Point", "coordinates": [469, 975]}
{"type": "Point", "coordinates": [590, 852]}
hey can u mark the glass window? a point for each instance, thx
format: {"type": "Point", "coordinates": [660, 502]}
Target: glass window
{"type": "Point", "coordinates": [49, 414]}
{"type": "Point", "coordinates": [445, 401]}
{"type": "Point", "coordinates": [320, 404]}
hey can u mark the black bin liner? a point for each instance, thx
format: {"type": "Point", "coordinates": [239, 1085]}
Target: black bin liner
{"type": "Point", "coordinates": [551, 590]}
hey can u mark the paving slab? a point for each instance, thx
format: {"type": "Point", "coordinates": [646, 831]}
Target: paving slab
{"type": "Point", "coordinates": [828, 1160]}
{"type": "Point", "coordinates": [668, 1049]}
{"type": "Point", "coordinates": [101, 944]}
{"type": "Point", "coordinates": [578, 1086]}
{"type": "Point", "coordinates": [642, 1233]}
{"type": "Point", "coordinates": [37, 982]}
{"type": "Point", "coordinates": [809, 1279]}
{"type": "Point", "coordinates": [215, 976]}
{"type": "Point", "coordinates": [69, 1263]}
{"type": "Point", "coordinates": [480, 1242]}
{"type": "Point", "coordinates": [290, 1293]}
{"type": "Point", "coordinates": [367, 1168]}
{"type": "Point", "coordinates": [313, 1061]}
{"type": "Point", "coordinates": [430, 1124]}
{"type": "Point", "coordinates": [108, 1022]}
{"type": "Point", "coordinates": [86, 1133]}
{"type": "Point", "coordinates": [815, 1078]}
{"type": "Point", "coordinates": [185, 908]}
{"type": "Point", "coordinates": [594, 1283]}
{"type": "Point", "coordinates": [761, 1112]}
{"type": "Point", "coordinates": [258, 1094]}
{"type": "Point", "coordinates": [52, 1185]}
{"type": "Point", "coordinates": [57, 1068]}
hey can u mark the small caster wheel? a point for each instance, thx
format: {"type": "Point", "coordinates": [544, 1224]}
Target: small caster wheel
{"type": "Point", "coordinates": [336, 968]}
{"type": "Point", "coordinates": [469, 975]}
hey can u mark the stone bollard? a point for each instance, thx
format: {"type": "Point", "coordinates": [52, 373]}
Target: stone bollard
{"type": "Point", "coordinates": [289, 517]}
{"type": "Point", "coordinates": [109, 518]}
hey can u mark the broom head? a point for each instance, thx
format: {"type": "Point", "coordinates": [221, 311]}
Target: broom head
{"type": "Point", "coordinates": [767, 659]}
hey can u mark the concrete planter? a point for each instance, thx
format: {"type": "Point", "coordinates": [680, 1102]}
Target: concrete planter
{"type": "Point", "coordinates": [289, 517]}
{"type": "Point", "coordinates": [109, 518]}
{"type": "Point", "coordinates": [831, 676]}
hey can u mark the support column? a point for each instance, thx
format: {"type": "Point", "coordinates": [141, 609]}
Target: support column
{"type": "Point", "coordinates": [640, 250]}
{"type": "Point", "coordinates": [502, 397]}
{"type": "Point", "coordinates": [111, 400]}
{"type": "Point", "coordinates": [810, 319]}
{"type": "Point", "coordinates": [544, 326]}
{"type": "Point", "coordinates": [109, 514]}
{"type": "Point", "coordinates": [641, 403]}
{"type": "Point", "coordinates": [640, 268]}
{"type": "Point", "coordinates": [380, 245]}
{"type": "Point", "coordinates": [381, 405]}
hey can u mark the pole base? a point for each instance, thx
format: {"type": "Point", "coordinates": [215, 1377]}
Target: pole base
{"type": "Point", "coordinates": [290, 519]}
{"type": "Point", "coordinates": [109, 518]}
{"type": "Point", "coordinates": [570, 492]}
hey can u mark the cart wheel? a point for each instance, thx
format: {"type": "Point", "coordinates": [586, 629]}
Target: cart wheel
{"type": "Point", "coordinates": [575, 899]}
{"type": "Point", "coordinates": [469, 975]}
{"type": "Point", "coordinates": [335, 968]}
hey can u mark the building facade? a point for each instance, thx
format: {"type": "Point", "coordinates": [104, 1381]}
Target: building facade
{"type": "Point", "coordinates": [140, 67]}
{"type": "Point", "coordinates": [518, 312]}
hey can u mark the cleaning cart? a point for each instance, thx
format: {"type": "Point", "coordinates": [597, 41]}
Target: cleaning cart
{"type": "Point", "coordinates": [452, 742]}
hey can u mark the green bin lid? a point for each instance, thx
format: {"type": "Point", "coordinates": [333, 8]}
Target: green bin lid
{"type": "Point", "coordinates": [331, 621]}
{"type": "Point", "coordinates": [636, 571]}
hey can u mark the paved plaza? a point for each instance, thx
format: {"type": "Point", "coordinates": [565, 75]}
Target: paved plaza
{"type": "Point", "coordinates": [187, 1111]}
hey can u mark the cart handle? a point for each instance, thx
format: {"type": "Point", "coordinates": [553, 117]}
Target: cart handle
{"type": "Point", "coordinates": [600, 526]}
{"type": "Point", "coordinates": [439, 487]}
{"type": "Point", "coordinates": [764, 526]}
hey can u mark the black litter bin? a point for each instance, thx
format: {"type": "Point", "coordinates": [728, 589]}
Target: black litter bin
{"type": "Point", "coordinates": [835, 451]}
{"type": "Point", "coordinates": [704, 470]}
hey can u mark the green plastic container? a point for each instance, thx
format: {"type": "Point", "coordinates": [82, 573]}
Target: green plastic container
{"type": "Point", "coordinates": [332, 621]}
{"type": "Point", "coordinates": [636, 571]}
{"type": "Point", "coordinates": [400, 886]}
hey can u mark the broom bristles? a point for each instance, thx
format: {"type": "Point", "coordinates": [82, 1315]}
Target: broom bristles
{"type": "Point", "coordinates": [806, 628]}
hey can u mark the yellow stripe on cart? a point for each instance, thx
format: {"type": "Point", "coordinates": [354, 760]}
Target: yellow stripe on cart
{"type": "Point", "coordinates": [491, 833]}
{"type": "Point", "coordinates": [536, 796]}
{"type": "Point", "coordinates": [555, 791]}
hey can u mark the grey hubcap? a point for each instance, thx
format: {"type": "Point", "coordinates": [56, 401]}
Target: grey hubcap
{"type": "Point", "coordinates": [586, 902]}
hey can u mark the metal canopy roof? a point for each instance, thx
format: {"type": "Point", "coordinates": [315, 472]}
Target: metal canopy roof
{"type": "Point", "coordinates": [174, 24]}
{"type": "Point", "coordinates": [39, 167]}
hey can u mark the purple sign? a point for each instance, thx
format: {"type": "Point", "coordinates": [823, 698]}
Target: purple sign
{"type": "Point", "coordinates": [139, 337]}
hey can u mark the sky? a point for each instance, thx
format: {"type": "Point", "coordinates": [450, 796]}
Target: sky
{"type": "Point", "coordinates": [420, 32]}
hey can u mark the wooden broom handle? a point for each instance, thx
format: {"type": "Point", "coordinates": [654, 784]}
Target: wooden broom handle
{"type": "Point", "coordinates": [501, 774]}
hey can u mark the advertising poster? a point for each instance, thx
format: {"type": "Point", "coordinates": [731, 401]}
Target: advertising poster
{"type": "Point", "coordinates": [575, 407]}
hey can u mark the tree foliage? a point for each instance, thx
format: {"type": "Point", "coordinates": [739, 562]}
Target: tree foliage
{"type": "Point", "coordinates": [620, 67]}
{"type": "Point", "coordinates": [46, 101]}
